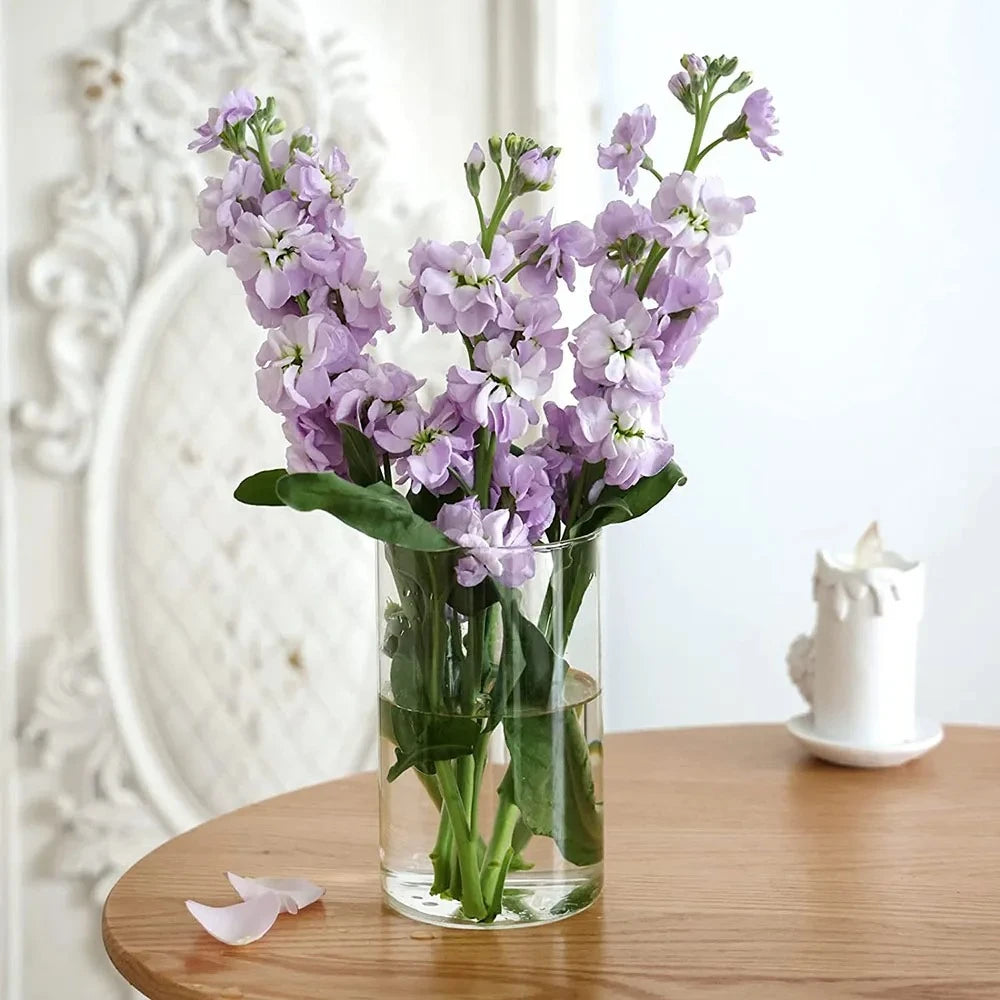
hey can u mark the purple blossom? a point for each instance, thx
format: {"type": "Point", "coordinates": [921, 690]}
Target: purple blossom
{"type": "Point", "coordinates": [367, 395]}
{"type": "Point", "coordinates": [615, 224]}
{"type": "Point", "coordinates": [434, 447]}
{"type": "Point", "coordinates": [353, 292]}
{"type": "Point", "coordinates": [758, 110]}
{"type": "Point", "coordinates": [456, 286]}
{"type": "Point", "coordinates": [620, 352]}
{"type": "Point", "coordinates": [236, 105]}
{"type": "Point", "coordinates": [624, 432]}
{"type": "Point", "coordinates": [559, 450]}
{"type": "Point", "coordinates": [537, 168]}
{"type": "Point", "coordinates": [550, 253]}
{"type": "Point", "coordinates": [314, 442]}
{"type": "Point", "coordinates": [321, 186]}
{"type": "Point", "coordinates": [533, 323]}
{"type": "Point", "coordinates": [627, 147]}
{"type": "Point", "coordinates": [695, 214]}
{"type": "Point", "coordinates": [268, 249]}
{"type": "Point", "coordinates": [687, 294]}
{"type": "Point", "coordinates": [694, 64]}
{"type": "Point", "coordinates": [209, 235]}
{"type": "Point", "coordinates": [501, 394]}
{"type": "Point", "coordinates": [297, 359]}
{"type": "Point", "coordinates": [521, 483]}
{"type": "Point", "coordinates": [496, 542]}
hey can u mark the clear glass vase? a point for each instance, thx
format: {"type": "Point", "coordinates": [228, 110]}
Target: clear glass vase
{"type": "Point", "coordinates": [490, 752]}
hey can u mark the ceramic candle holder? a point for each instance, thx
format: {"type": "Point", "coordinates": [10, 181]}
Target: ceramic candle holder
{"type": "Point", "coordinates": [858, 668]}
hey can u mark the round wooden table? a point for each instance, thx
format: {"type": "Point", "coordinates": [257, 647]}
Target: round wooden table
{"type": "Point", "coordinates": [737, 867]}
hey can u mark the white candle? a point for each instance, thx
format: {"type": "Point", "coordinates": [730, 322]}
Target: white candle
{"type": "Point", "coordinates": [858, 669]}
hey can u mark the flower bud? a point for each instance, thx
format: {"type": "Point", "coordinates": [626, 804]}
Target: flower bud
{"type": "Point", "coordinates": [514, 145]}
{"type": "Point", "coordinates": [740, 83]}
{"type": "Point", "coordinates": [475, 160]}
{"type": "Point", "coordinates": [727, 66]}
{"type": "Point", "coordinates": [275, 127]}
{"type": "Point", "coordinates": [535, 170]}
{"type": "Point", "coordinates": [474, 164]}
{"type": "Point", "coordinates": [680, 86]}
{"type": "Point", "coordinates": [695, 65]}
{"type": "Point", "coordinates": [678, 83]}
{"type": "Point", "coordinates": [495, 146]}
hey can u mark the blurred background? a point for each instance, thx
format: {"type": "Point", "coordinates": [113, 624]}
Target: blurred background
{"type": "Point", "coordinates": [169, 655]}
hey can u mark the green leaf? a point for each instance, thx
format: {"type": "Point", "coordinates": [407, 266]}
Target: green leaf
{"type": "Point", "coordinates": [260, 489]}
{"type": "Point", "coordinates": [577, 899]}
{"type": "Point", "coordinates": [360, 455]}
{"type": "Point", "coordinates": [552, 782]}
{"type": "Point", "coordinates": [615, 505]}
{"type": "Point", "coordinates": [422, 738]}
{"type": "Point", "coordinates": [425, 755]}
{"type": "Point", "coordinates": [544, 669]}
{"type": "Point", "coordinates": [377, 510]}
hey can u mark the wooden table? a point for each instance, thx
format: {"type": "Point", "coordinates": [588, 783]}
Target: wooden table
{"type": "Point", "coordinates": [737, 867]}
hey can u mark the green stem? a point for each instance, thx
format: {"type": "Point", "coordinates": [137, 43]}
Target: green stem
{"type": "Point", "coordinates": [700, 121]}
{"type": "Point", "coordinates": [708, 149]}
{"type": "Point", "coordinates": [441, 855]}
{"type": "Point", "coordinates": [482, 218]}
{"type": "Point", "coordinates": [655, 256]}
{"type": "Point", "coordinates": [468, 862]}
{"type": "Point", "coordinates": [504, 200]}
{"type": "Point", "coordinates": [484, 464]}
{"type": "Point", "coordinates": [517, 267]}
{"type": "Point", "coordinates": [479, 769]}
{"type": "Point", "coordinates": [656, 173]}
{"type": "Point", "coordinates": [264, 159]}
{"type": "Point", "coordinates": [503, 830]}
{"type": "Point", "coordinates": [387, 469]}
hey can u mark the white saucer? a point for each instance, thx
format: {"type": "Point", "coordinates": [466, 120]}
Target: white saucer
{"type": "Point", "coordinates": [927, 735]}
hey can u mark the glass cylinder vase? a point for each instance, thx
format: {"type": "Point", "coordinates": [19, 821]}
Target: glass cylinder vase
{"type": "Point", "coordinates": [491, 733]}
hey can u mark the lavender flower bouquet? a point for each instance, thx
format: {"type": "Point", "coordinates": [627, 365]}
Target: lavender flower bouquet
{"type": "Point", "coordinates": [487, 502]}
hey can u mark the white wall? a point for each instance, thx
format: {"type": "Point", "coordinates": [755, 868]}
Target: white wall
{"type": "Point", "coordinates": [852, 373]}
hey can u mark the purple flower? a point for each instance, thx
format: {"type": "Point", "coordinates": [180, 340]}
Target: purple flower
{"type": "Point", "coordinates": [236, 105]}
{"type": "Point", "coordinates": [558, 449]}
{"type": "Point", "coordinates": [533, 323]}
{"type": "Point", "coordinates": [496, 542]}
{"type": "Point", "coordinates": [209, 235]}
{"type": "Point", "coordinates": [434, 447]}
{"type": "Point", "coordinates": [267, 249]}
{"type": "Point", "coordinates": [695, 214]}
{"type": "Point", "coordinates": [687, 293]}
{"type": "Point", "coordinates": [353, 292]}
{"type": "Point", "coordinates": [297, 359]}
{"type": "Point", "coordinates": [500, 395]}
{"type": "Point", "coordinates": [625, 433]}
{"type": "Point", "coordinates": [614, 226]}
{"type": "Point", "coordinates": [620, 352]}
{"type": "Point", "coordinates": [321, 186]}
{"type": "Point", "coordinates": [521, 483]}
{"type": "Point", "coordinates": [758, 110]}
{"type": "Point", "coordinates": [455, 285]}
{"type": "Point", "coordinates": [367, 395]}
{"type": "Point", "coordinates": [551, 253]}
{"type": "Point", "coordinates": [537, 168]}
{"type": "Point", "coordinates": [314, 442]}
{"type": "Point", "coordinates": [627, 147]}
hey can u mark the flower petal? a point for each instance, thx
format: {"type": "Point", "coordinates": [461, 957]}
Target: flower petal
{"type": "Point", "coordinates": [241, 923]}
{"type": "Point", "coordinates": [294, 893]}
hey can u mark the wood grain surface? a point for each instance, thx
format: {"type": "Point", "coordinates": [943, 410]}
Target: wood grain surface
{"type": "Point", "coordinates": [738, 867]}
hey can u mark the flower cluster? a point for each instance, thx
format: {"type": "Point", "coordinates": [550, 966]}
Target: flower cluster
{"type": "Point", "coordinates": [278, 214]}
